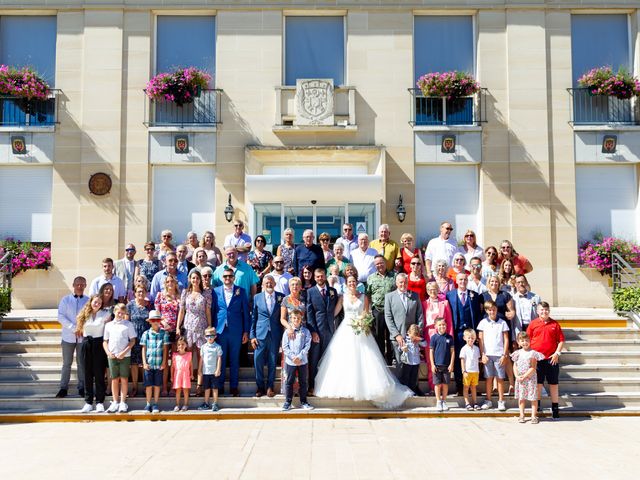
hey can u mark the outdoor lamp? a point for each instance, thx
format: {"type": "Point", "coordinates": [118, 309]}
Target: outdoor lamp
{"type": "Point", "coordinates": [228, 210]}
{"type": "Point", "coordinates": [401, 212]}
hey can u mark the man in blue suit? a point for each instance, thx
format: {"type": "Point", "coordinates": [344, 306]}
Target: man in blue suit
{"type": "Point", "coordinates": [232, 325]}
{"type": "Point", "coordinates": [321, 306]}
{"type": "Point", "coordinates": [466, 312]}
{"type": "Point", "coordinates": [266, 334]}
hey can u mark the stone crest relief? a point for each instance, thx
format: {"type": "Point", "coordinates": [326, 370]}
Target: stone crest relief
{"type": "Point", "coordinates": [314, 102]}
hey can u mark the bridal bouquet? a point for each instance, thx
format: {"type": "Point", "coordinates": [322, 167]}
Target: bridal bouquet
{"type": "Point", "coordinates": [362, 324]}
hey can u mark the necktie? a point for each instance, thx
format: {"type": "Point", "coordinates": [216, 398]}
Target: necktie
{"type": "Point", "coordinates": [324, 293]}
{"type": "Point", "coordinates": [270, 304]}
{"type": "Point", "coordinates": [463, 298]}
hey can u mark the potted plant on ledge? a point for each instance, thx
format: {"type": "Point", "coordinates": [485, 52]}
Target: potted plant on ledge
{"type": "Point", "coordinates": [27, 87]}
{"type": "Point", "coordinates": [181, 86]}
{"type": "Point", "coordinates": [602, 81]}
{"type": "Point", "coordinates": [448, 98]}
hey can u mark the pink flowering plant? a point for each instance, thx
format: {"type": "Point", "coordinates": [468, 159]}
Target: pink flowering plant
{"type": "Point", "coordinates": [23, 83]}
{"type": "Point", "coordinates": [452, 84]}
{"type": "Point", "coordinates": [26, 255]}
{"type": "Point", "coordinates": [597, 253]}
{"type": "Point", "coordinates": [180, 86]}
{"type": "Point", "coordinates": [602, 81]}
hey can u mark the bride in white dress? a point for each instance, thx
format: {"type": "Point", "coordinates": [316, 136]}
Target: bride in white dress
{"type": "Point", "coordinates": [352, 366]}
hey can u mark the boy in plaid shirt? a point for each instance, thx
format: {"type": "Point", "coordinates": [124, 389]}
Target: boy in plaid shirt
{"type": "Point", "coordinates": [155, 346]}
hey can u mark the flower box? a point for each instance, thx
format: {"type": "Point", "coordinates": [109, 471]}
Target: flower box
{"type": "Point", "coordinates": [602, 81]}
{"type": "Point", "coordinates": [181, 86]}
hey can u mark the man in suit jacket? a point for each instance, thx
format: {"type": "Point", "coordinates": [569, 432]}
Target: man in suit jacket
{"type": "Point", "coordinates": [466, 312]}
{"type": "Point", "coordinates": [125, 267]}
{"type": "Point", "coordinates": [233, 326]}
{"type": "Point", "coordinates": [402, 308]}
{"type": "Point", "coordinates": [266, 334]}
{"type": "Point", "coordinates": [321, 308]}
{"type": "Point", "coordinates": [184, 265]}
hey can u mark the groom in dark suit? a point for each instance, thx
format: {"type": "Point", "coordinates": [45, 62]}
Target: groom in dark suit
{"type": "Point", "coordinates": [266, 334]}
{"type": "Point", "coordinates": [321, 306]}
{"type": "Point", "coordinates": [466, 312]}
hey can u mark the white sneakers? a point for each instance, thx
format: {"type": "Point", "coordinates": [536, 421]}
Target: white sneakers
{"type": "Point", "coordinates": [123, 408]}
{"type": "Point", "coordinates": [87, 408]}
{"type": "Point", "coordinates": [487, 405]}
{"type": "Point", "coordinates": [99, 407]}
{"type": "Point", "coordinates": [113, 408]}
{"type": "Point", "coordinates": [441, 406]}
{"type": "Point", "coordinates": [501, 406]}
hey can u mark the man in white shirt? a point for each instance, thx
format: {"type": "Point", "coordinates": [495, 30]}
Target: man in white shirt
{"type": "Point", "coordinates": [525, 304]}
{"type": "Point", "coordinates": [442, 247]}
{"type": "Point", "coordinates": [126, 267]}
{"type": "Point", "coordinates": [239, 240]}
{"type": "Point", "coordinates": [280, 277]}
{"type": "Point", "coordinates": [348, 241]}
{"type": "Point", "coordinates": [119, 291]}
{"type": "Point", "coordinates": [68, 310]}
{"type": "Point", "coordinates": [476, 282]}
{"type": "Point", "coordinates": [363, 258]}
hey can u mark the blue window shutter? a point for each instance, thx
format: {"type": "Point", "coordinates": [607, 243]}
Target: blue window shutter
{"type": "Point", "coordinates": [186, 41]}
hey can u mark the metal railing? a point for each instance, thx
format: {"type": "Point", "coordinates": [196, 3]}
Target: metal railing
{"type": "Point", "coordinates": [203, 111]}
{"type": "Point", "coordinates": [18, 111]}
{"type": "Point", "coordinates": [589, 109]}
{"type": "Point", "coordinates": [623, 273]}
{"type": "Point", "coordinates": [5, 283]}
{"type": "Point", "coordinates": [442, 111]}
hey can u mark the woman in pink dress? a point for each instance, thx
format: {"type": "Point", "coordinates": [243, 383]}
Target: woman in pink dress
{"type": "Point", "coordinates": [434, 307]}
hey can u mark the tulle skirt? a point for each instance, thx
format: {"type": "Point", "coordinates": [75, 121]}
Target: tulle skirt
{"type": "Point", "coordinates": [353, 367]}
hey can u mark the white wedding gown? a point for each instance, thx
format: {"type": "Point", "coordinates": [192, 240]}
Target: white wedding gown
{"type": "Point", "coordinates": [353, 367]}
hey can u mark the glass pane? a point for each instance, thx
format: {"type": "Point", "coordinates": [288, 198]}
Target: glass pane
{"type": "Point", "coordinates": [442, 43]}
{"type": "Point", "coordinates": [29, 41]}
{"type": "Point", "coordinates": [186, 41]}
{"type": "Point", "coordinates": [314, 48]}
{"type": "Point", "coordinates": [298, 218]}
{"type": "Point", "coordinates": [362, 217]}
{"type": "Point", "coordinates": [268, 224]}
{"type": "Point", "coordinates": [329, 219]}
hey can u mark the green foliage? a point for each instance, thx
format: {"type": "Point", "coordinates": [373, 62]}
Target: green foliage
{"type": "Point", "coordinates": [626, 299]}
{"type": "Point", "coordinates": [5, 300]}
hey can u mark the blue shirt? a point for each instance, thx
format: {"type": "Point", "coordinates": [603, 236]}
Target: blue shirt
{"type": "Point", "coordinates": [441, 346]}
{"type": "Point", "coordinates": [155, 342]}
{"type": "Point", "coordinates": [412, 354]}
{"type": "Point", "coordinates": [157, 284]}
{"type": "Point", "coordinates": [297, 347]}
{"type": "Point", "coordinates": [210, 353]}
{"type": "Point", "coordinates": [244, 276]}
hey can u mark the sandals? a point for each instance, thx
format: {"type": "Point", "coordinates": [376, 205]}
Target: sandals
{"type": "Point", "coordinates": [469, 407]}
{"type": "Point", "coordinates": [534, 420]}
{"type": "Point", "coordinates": [521, 419]}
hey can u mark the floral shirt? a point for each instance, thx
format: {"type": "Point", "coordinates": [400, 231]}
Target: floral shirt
{"type": "Point", "coordinates": [169, 311]}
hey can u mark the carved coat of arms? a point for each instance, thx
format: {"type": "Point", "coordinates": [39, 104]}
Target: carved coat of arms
{"type": "Point", "coordinates": [314, 102]}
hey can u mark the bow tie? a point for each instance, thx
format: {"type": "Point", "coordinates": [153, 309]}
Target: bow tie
{"type": "Point", "coordinates": [77, 296]}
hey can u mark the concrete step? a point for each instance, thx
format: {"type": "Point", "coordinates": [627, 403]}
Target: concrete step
{"type": "Point", "coordinates": [599, 371]}
{"type": "Point", "coordinates": [24, 335]}
{"type": "Point", "coordinates": [31, 359]}
{"type": "Point", "coordinates": [30, 346]}
{"type": "Point", "coordinates": [601, 334]}
{"type": "Point", "coordinates": [609, 345]}
{"type": "Point", "coordinates": [599, 357]}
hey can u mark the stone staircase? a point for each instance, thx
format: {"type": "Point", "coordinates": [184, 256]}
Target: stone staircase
{"type": "Point", "coordinates": [600, 371]}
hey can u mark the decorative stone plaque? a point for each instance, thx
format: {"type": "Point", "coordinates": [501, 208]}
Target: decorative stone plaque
{"type": "Point", "coordinates": [100, 183]}
{"type": "Point", "coordinates": [314, 102]}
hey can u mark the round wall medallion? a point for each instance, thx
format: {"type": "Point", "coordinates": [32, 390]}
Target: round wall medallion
{"type": "Point", "coordinates": [100, 183]}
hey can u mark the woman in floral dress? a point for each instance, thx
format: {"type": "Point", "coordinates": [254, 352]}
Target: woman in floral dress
{"type": "Point", "coordinates": [149, 265]}
{"type": "Point", "coordinates": [195, 314]}
{"type": "Point", "coordinates": [167, 302]}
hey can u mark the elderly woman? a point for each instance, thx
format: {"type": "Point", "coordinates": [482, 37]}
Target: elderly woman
{"type": "Point", "coordinates": [324, 238]}
{"type": "Point", "coordinates": [459, 263]}
{"type": "Point", "coordinates": [140, 281]}
{"type": "Point", "coordinates": [208, 243]}
{"type": "Point", "coordinates": [470, 248]}
{"type": "Point", "coordinates": [338, 259]}
{"type": "Point", "coordinates": [191, 243]}
{"type": "Point", "coordinates": [165, 246]}
{"type": "Point", "coordinates": [287, 251]}
{"type": "Point", "coordinates": [445, 284]}
{"type": "Point", "coordinates": [149, 265]}
{"type": "Point", "coordinates": [408, 252]}
{"type": "Point", "coordinates": [521, 264]}
{"type": "Point", "coordinates": [259, 259]}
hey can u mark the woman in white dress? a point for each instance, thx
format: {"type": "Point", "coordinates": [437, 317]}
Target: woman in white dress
{"type": "Point", "coordinates": [352, 366]}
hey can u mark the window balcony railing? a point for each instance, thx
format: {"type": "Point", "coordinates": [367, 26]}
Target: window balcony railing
{"type": "Point", "coordinates": [589, 109]}
{"type": "Point", "coordinates": [20, 112]}
{"type": "Point", "coordinates": [344, 109]}
{"type": "Point", "coordinates": [442, 111]}
{"type": "Point", "coordinates": [204, 111]}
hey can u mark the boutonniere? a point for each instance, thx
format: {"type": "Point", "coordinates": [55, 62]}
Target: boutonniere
{"type": "Point", "coordinates": [237, 292]}
{"type": "Point", "coordinates": [331, 294]}
{"type": "Point", "coordinates": [471, 294]}
{"type": "Point", "coordinates": [279, 299]}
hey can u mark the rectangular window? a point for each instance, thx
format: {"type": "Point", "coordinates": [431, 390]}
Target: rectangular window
{"type": "Point", "coordinates": [186, 41]}
{"type": "Point", "coordinates": [314, 48]}
{"type": "Point", "coordinates": [183, 200]}
{"type": "Point", "coordinates": [435, 202]}
{"type": "Point", "coordinates": [25, 203]}
{"type": "Point", "coordinates": [607, 199]}
{"type": "Point", "coordinates": [29, 41]}
{"type": "Point", "coordinates": [442, 43]}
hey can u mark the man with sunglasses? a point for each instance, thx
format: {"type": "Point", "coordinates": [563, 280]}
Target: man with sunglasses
{"type": "Point", "coordinates": [348, 240]}
{"type": "Point", "coordinates": [126, 267]}
{"type": "Point", "coordinates": [442, 247]}
{"type": "Point", "coordinates": [476, 282]}
{"type": "Point", "coordinates": [244, 275]}
{"type": "Point", "coordinates": [280, 276]}
{"type": "Point", "coordinates": [239, 240]}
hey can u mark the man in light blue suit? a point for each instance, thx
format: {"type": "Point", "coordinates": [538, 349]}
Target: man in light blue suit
{"type": "Point", "coordinates": [266, 334]}
{"type": "Point", "coordinates": [232, 325]}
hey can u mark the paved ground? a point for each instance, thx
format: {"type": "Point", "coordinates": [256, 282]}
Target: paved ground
{"type": "Point", "coordinates": [391, 448]}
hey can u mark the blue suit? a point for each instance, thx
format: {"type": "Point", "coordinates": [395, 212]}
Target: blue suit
{"type": "Point", "coordinates": [463, 317]}
{"type": "Point", "coordinates": [320, 320]}
{"type": "Point", "coordinates": [267, 329]}
{"type": "Point", "coordinates": [232, 321]}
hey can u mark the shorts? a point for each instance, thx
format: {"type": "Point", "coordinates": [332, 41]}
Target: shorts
{"type": "Point", "coordinates": [442, 375]}
{"type": "Point", "coordinates": [493, 368]}
{"type": "Point", "coordinates": [120, 368]}
{"type": "Point", "coordinates": [153, 377]}
{"type": "Point", "coordinates": [209, 382]}
{"type": "Point", "coordinates": [545, 370]}
{"type": "Point", "coordinates": [470, 379]}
